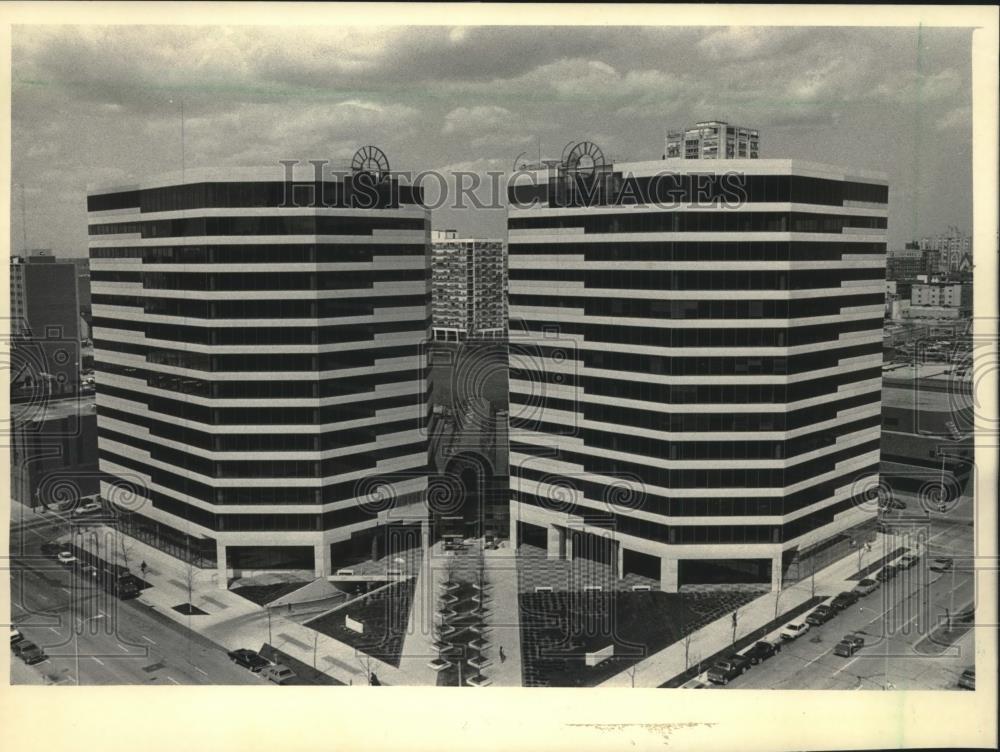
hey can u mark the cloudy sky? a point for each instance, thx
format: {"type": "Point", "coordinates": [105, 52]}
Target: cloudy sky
{"type": "Point", "coordinates": [100, 104]}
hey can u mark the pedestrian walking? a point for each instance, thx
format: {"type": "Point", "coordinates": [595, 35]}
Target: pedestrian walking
{"type": "Point", "coordinates": [503, 655]}
{"type": "Point", "coordinates": [373, 680]}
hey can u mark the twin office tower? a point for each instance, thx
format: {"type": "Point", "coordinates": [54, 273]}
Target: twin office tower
{"type": "Point", "coordinates": [695, 382]}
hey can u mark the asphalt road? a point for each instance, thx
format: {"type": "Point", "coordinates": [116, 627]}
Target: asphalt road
{"type": "Point", "coordinates": [93, 638]}
{"type": "Point", "coordinates": [901, 623]}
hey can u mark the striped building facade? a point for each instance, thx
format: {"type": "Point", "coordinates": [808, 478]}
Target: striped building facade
{"type": "Point", "coordinates": [695, 386]}
{"type": "Point", "coordinates": [260, 369]}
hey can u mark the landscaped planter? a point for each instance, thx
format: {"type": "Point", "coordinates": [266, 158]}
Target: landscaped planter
{"type": "Point", "coordinates": [448, 600]}
{"type": "Point", "coordinates": [478, 681]}
{"type": "Point", "coordinates": [479, 662]}
{"type": "Point", "coordinates": [479, 644]}
{"type": "Point", "coordinates": [439, 664]}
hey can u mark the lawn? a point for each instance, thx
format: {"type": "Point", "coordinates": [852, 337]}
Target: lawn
{"type": "Point", "coordinates": [384, 614]}
{"type": "Point", "coordinates": [557, 629]}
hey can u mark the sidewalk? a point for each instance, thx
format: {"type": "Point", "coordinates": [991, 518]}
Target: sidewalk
{"type": "Point", "coordinates": [717, 636]}
{"type": "Point", "coordinates": [503, 617]}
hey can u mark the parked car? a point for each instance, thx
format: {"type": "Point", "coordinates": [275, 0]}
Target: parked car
{"type": "Point", "coordinates": [66, 558]}
{"type": "Point", "coordinates": [726, 669]}
{"type": "Point", "coordinates": [249, 659]}
{"type": "Point", "coordinates": [849, 645]}
{"type": "Point", "coordinates": [906, 561]}
{"type": "Point", "coordinates": [942, 564]}
{"type": "Point", "coordinates": [968, 679]}
{"type": "Point", "coordinates": [91, 507]}
{"type": "Point", "coordinates": [52, 549]}
{"type": "Point", "coordinates": [886, 573]}
{"type": "Point", "coordinates": [278, 674]}
{"type": "Point", "coordinates": [820, 615]}
{"type": "Point", "coordinates": [844, 600]}
{"type": "Point", "coordinates": [794, 630]}
{"type": "Point", "coordinates": [761, 651]}
{"type": "Point", "coordinates": [29, 652]}
{"type": "Point", "coordinates": [89, 570]}
{"type": "Point", "coordinates": [15, 636]}
{"type": "Point", "coordinates": [866, 587]}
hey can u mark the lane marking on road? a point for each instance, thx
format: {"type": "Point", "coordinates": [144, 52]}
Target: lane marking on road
{"type": "Point", "coordinates": [71, 678]}
{"type": "Point", "coordinates": [173, 680]}
{"type": "Point", "coordinates": [846, 665]}
{"type": "Point", "coordinates": [147, 639]}
{"type": "Point", "coordinates": [202, 671]}
{"type": "Point", "coordinates": [96, 659]}
{"type": "Point", "coordinates": [53, 629]}
{"type": "Point", "coordinates": [121, 647]}
{"type": "Point", "coordinates": [65, 590]}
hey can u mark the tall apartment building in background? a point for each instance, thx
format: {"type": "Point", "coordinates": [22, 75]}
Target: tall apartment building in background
{"type": "Point", "coordinates": [45, 309]}
{"type": "Point", "coordinates": [953, 249]}
{"type": "Point", "coordinates": [713, 139]}
{"type": "Point", "coordinates": [260, 372]}
{"type": "Point", "coordinates": [699, 397]}
{"type": "Point", "coordinates": [469, 283]}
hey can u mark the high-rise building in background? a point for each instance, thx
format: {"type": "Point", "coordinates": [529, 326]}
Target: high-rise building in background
{"type": "Point", "coordinates": [45, 310]}
{"type": "Point", "coordinates": [954, 251]}
{"type": "Point", "coordinates": [260, 365]}
{"type": "Point", "coordinates": [713, 139]}
{"type": "Point", "coordinates": [469, 283]}
{"type": "Point", "coordinates": [698, 397]}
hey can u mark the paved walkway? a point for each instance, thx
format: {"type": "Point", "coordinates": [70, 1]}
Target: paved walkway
{"type": "Point", "coordinates": [714, 637]}
{"type": "Point", "coordinates": [418, 648]}
{"type": "Point", "coordinates": [503, 617]}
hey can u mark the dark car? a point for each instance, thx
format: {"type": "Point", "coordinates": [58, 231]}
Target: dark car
{"type": "Point", "coordinates": [761, 651]}
{"type": "Point", "coordinates": [248, 659]}
{"type": "Point", "coordinates": [849, 645]}
{"type": "Point", "coordinates": [942, 565]}
{"type": "Point", "coordinates": [968, 679]}
{"type": "Point", "coordinates": [820, 615]}
{"type": "Point", "coordinates": [886, 573]}
{"type": "Point", "coordinates": [844, 600]}
{"type": "Point", "coordinates": [29, 652]}
{"type": "Point", "coordinates": [52, 549]}
{"type": "Point", "coordinates": [728, 668]}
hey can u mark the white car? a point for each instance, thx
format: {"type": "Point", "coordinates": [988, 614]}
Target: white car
{"type": "Point", "coordinates": [89, 508]}
{"type": "Point", "coordinates": [866, 586]}
{"type": "Point", "coordinates": [794, 630]}
{"type": "Point", "coordinates": [66, 558]}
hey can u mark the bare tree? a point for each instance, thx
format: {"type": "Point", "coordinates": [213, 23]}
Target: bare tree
{"type": "Point", "coordinates": [125, 547]}
{"type": "Point", "coordinates": [777, 602]}
{"type": "Point", "coordinates": [687, 650]}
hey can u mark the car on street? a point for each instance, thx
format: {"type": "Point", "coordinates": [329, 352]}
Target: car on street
{"type": "Point", "coordinates": [728, 668]}
{"type": "Point", "coordinates": [15, 636]}
{"type": "Point", "coordinates": [886, 573]}
{"type": "Point", "coordinates": [762, 650]}
{"type": "Point", "coordinates": [865, 587]}
{"type": "Point", "coordinates": [29, 652]}
{"type": "Point", "coordinates": [52, 548]}
{"type": "Point", "coordinates": [942, 564]}
{"type": "Point", "coordinates": [906, 561]}
{"type": "Point", "coordinates": [968, 679]}
{"type": "Point", "coordinates": [91, 507]}
{"type": "Point", "coordinates": [794, 630]}
{"type": "Point", "coordinates": [820, 615]}
{"type": "Point", "coordinates": [66, 558]}
{"type": "Point", "coordinates": [849, 645]}
{"type": "Point", "coordinates": [278, 674]}
{"type": "Point", "coordinates": [844, 600]}
{"type": "Point", "coordinates": [249, 659]}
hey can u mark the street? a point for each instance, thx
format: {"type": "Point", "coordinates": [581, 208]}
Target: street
{"type": "Point", "coordinates": [898, 621]}
{"type": "Point", "coordinates": [93, 638]}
